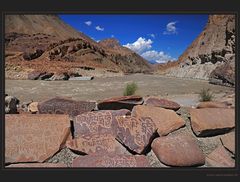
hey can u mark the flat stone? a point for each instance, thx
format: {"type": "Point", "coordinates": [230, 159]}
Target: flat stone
{"type": "Point", "coordinates": [97, 122]}
{"type": "Point", "coordinates": [179, 150]}
{"type": "Point", "coordinates": [212, 121]}
{"type": "Point", "coordinates": [96, 131]}
{"type": "Point", "coordinates": [211, 104]}
{"type": "Point", "coordinates": [135, 133]}
{"type": "Point", "coordinates": [220, 158]}
{"type": "Point", "coordinates": [33, 107]}
{"type": "Point", "coordinates": [111, 160]}
{"type": "Point", "coordinates": [164, 103]}
{"type": "Point", "coordinates": [34, 138]}
{"type": "Point", "coordinates": [37, 165]}
{"type": "Point", "coordinates": [165, 120]}
{"type": "Point", "coordinates": [95, 143]}
{"type": "Point", "coordinates": [68, 106]}
{"type": "Point", "coordinates": [116, 103]}
{"type": "Point", "coordinates": [228, 141]}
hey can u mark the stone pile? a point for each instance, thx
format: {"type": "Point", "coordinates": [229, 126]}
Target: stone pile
{"type": "Point", "coordinates": [119, 132]}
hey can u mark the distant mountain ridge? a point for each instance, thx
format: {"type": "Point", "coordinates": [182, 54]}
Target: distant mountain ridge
{"type": "Point", "coordinates": [49, 44]}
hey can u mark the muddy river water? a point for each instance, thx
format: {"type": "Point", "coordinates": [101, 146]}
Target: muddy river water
{"type": "Point", "coordinates": [184, 91]}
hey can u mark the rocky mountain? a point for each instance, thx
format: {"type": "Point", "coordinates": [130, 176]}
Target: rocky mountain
{"type": "Point", "coordinates": [44, 43]}
{"type": "Point", "coordinates": [44, 24]}
{"type": "Point", "coordinates": [211, 56]}
{"type": "Point", "coordinates": [125, 58]}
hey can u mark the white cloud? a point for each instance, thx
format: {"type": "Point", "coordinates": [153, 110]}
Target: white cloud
{"type": "Point", "coordinates": [171, 28]}
{"type": "Point", "coordinates": [152, 35]}
{"type": "Point", "coordinates": [159, 57]}
{"type": "Point", "coordinates": [88, 23]}
{"type": "Point", "coordinates": [112, 36]}
{"type": "Point", "coordinates": [98, 28]}
{"type": "Point", "coordinates": [140, 45]}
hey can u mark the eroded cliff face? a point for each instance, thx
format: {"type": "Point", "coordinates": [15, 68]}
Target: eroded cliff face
{"type": "Point", "coordinates": [211, 52]}
{"type": "Point", "coordinates": [45, 43]}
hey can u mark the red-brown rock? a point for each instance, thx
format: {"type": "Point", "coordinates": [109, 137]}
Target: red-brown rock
{"type": "Point", "coordinates": [181, 150]}
{"type": "Point", "coordinates": [211, 104]}
{"type": "Point", "coordinates": [228, 141]}
{"type": "Point", "coordinates": [220, 158]}
{"type": "Point", "coordinates": [95, 143]}
{"type": "Point", "coordinates": [135, 133]}
{"type": "Point", "coordinates": [111, 160]}
{"type": "Point", "coordinates": [97, 122]}
{"type": "Point", "coordinates": [95, 132]}
{"type": "Point", "coordinates": [116, 103]}
{"type": "Point", "coordinates": [212, 121]}
{"type": "Point", "coordinates": [165, 120]}
{"type": "Point", "coordinates": [68, 106]}
{"type": "Point", "coordinates": [37, 165]}
{"type": "Point", "coordinates": [34, 138]}
{"type": "Point", "coordinates": [164, 103]}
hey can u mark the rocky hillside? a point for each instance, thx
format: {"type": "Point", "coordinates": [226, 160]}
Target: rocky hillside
{"type": "Point", "coordinates": [44, 43]}
{"type": "Point", "coordinates": [125, 58]}
{"type": "Point", "coordinates": [211, 56]}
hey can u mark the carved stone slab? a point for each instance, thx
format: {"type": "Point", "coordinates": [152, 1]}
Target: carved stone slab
{"type": "Point", "coordinates": [95, 143]}
{"type": "Point", "coordinates": [37, 165]}
{"type": "Point", "coordinates": [228, 141]}
{"type": "Point", "coordinates": [34, 138]}
{"type": "Point", "coordinates": [212, 121]}
{"type": "Point", "coordinates": [180, 150]}
{"type": "Point", "coordinates": [60, 105]}
{"type": "Point", "coordinates": [111, 160]}
{"type": "Point", "coordinates": [97, 122]}
{"type": "Point", "coordinates": [220, 158]}
{"type": "Point", "coordinates": [116, 103]}
{"type": "Point", "coordinates": [135, 133]}
{"type": "Point", "coordinates": [165, 120]}
{"type": "Point", "coordinates": [164, 103]}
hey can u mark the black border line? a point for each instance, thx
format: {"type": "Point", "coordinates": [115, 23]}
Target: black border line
{"type": "Point", "coordinates": [153, 12]}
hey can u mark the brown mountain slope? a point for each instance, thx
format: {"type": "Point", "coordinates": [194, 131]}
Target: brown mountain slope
{"type": "Point", "coordinates": [213, 48]}
{"type": "Point", "coordinates": [47, 24]}
{"type": "Point", "coordinates": [46, 43]}
{"type": "Point", "coordinates": [125, 58]}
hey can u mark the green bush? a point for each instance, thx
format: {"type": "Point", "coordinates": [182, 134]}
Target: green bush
{"type": "Point", "coordinates": [205, 95]}
{"type": "Point", "coordinates": [130, 89]}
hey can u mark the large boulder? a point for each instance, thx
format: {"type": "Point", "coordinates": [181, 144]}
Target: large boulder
{"type": "Point", "coordinates": [224, 74]}
{"type": "Point", "coordinates": [94, 132]}
{"type": "Point", "coordinates": [164, 103]}
{"type": "Point", "coordinates": [97, 122]}
{"type": "Point", "coordinates": [32, 55]}
{"type": "Point", "coordinates": [220, 158]}
{"type": "Point", "coordinates": [165, 120]}
{"type": "Point", "coordinates": [11, 105]}
{"type": "Point", "coordinates": [212, 121]}
{"type": "Point", "coordinates": [34, 138]}
{"type": "Point", "coordinates": [95, 143]}
{"type": "Point", "coordinates": [135, 133]}
{"type": "Point", "coordinates": [180, 150]}
{"type": "Point", "coordinates": [34, 75]}
{"type": "Point", "coordinates": [60, 105]}
{"type": "Point", "coordinates": [116, 103]}
{"type": "Point", "coordinates": [111, 160]}
{"type": "Point", "coordinates": [228, 141]}
{"type": "Point", "coordinates": [37, 165]}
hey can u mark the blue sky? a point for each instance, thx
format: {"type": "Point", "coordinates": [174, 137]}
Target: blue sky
{"type": "Point", "coordinates": [157, 38]}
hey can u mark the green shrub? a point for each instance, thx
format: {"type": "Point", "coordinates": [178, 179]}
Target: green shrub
{"type": "Point", "coordinates": [205, 95]}
{"type": "Point", "coordinates": [130, 89]}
